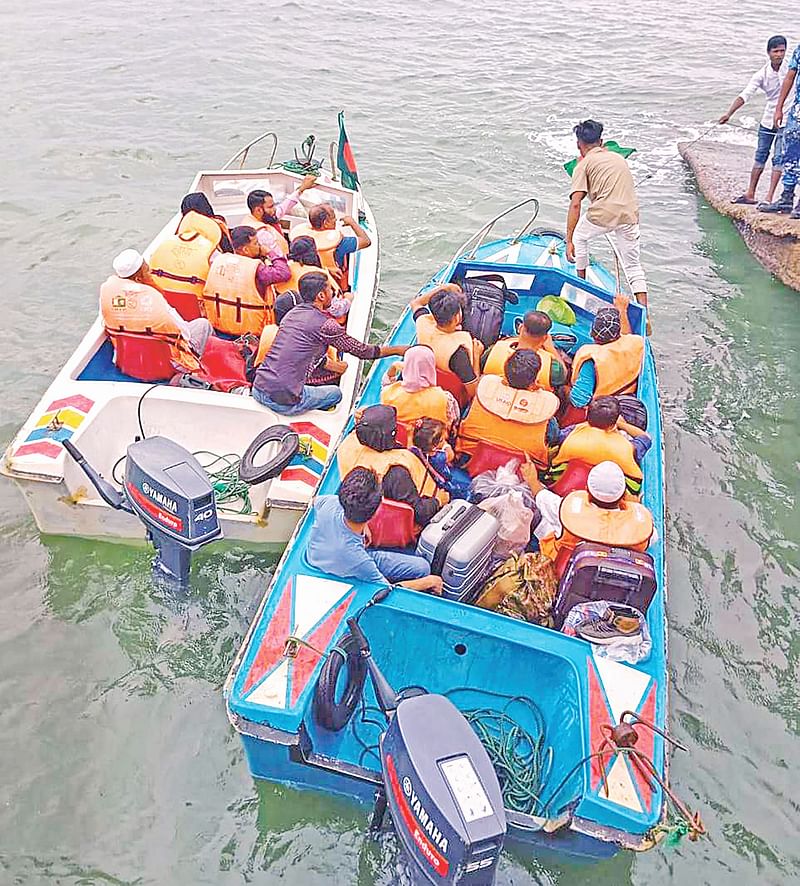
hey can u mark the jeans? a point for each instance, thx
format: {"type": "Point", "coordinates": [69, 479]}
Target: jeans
{"type": "Point", "coordinates": [769, 138]}
{"type": "Point", "coordinates": [313, 397]}
{"type": "Point", "coordinates": [626, 241]}
{"type": "Point", "coordinates": [400, 567]}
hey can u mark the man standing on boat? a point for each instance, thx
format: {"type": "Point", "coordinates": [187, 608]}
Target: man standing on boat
{"type": "Point", "coordinates": [613, 207]}
{"type": "Point", "coordinates": [791, 139]}
{"type": "Point", "coordinates": [766, 79]}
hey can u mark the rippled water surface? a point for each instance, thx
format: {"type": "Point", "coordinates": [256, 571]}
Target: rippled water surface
{"type": "Point", "coordinates": [118, 765]}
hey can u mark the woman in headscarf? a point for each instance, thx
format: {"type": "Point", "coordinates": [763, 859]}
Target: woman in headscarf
{"type": "Point", "coordinates": [198, 215]}
{"type": "Point", "coordinates": [416, 394]}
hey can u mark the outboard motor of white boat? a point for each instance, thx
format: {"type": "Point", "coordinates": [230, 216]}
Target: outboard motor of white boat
{"type": "Point", "coordinates": [439, 784]}
{"type": "Point", "coordinates": [168, 490]}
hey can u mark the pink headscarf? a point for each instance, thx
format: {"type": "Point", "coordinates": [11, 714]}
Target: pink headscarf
{"type": "Point", "coordinates": [419, 369]}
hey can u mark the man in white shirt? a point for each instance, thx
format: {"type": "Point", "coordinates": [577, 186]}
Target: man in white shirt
{"type": "Point", "coordinates": [767, 79]}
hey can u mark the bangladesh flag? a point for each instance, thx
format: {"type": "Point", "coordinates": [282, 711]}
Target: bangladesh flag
{"type": "Point", "coordinates": [345, 159]}
{"type": "Point", "coordinates": [612, 146]}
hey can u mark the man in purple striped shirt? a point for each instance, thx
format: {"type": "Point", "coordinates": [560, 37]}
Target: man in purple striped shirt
{"type": "Point", "coordinates": [303, 338]}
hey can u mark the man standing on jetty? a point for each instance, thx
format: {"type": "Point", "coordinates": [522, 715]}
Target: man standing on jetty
{"type": "Point", "coordinates": [766, 79]}
{"type": "Point", "coordinates": [613, 208]}
{"type": "Point", "coordinates": [788, 116]}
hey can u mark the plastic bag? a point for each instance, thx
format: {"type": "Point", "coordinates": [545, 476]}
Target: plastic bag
{"type": "Point", "coordinates": [618, 651]}
{"type": "Point", "coordinates": [501, 481]}
{"type": "Point", "coordinates": [515, 520]}
{"type": "Point", "coordinates": [522, 587]}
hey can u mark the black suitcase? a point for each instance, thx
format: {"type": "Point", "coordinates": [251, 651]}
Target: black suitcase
{"type": "Point", "coordinates": [486, 306]}
{"type": "Point", "coordinates": [599, 572]}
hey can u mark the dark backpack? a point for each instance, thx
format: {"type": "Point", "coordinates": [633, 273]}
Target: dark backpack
{"type": "Point", "coordinates": [486, 306]}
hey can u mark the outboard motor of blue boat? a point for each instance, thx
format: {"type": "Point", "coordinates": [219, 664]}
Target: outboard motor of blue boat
{"type": "Point", "coordinates": [168, 490]}
{"type": "Point", "coordinates": [439, 783]}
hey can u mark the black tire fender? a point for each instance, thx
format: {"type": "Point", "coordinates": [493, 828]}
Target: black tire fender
{"type": "Point", "coordinates": [330, 713]}
{"type": "Point", "coordinates": [548, 232]}
{"type": "Point", "coordinates": [289, 443]}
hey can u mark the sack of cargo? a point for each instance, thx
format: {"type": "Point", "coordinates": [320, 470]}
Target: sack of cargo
{"type": "Point", "coordinates": [486, 306]}
{"type": "Point", "coordinates": [458, 543]}
{"type": "Point", "coordinates": [522, 587]}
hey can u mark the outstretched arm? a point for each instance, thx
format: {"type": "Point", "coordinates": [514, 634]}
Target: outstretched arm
{"type": "Point", "coordinates": [420, 301]}
{"type": "Point", "coordinates": [361, 235]}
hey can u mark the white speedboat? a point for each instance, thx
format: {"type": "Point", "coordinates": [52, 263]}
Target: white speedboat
{"type": "Point", "coordinates": [101, 410]}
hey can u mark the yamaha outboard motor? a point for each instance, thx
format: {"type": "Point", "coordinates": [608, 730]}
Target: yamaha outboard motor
{"type": "Point", "coordinates": [168, 490]}
{"type": "Point", "coordinates": [440, 786]}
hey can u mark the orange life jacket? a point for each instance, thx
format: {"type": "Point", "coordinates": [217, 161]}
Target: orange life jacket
{"type": "Point", "coordinates": [137, 309]}
{"type": "Point", "coordinates": [326, 242]}
{"type": "Point", "coordinates": [629, 525]}
{"type": "Point", "coordinates": [617, 364]}
{"type": "Point", "coordinates": [593, 445]}
{"type": "Point", "coordinates": [411, 405]}
{"type": "Point", "coordinates": [251, 221]}
{"type": "Point", "coordinates": [352, 453]}
{"type": "Point", "coordinates": [180, 263]}
{"type": "Point", "coordinates": [299, 271]}
{"type": "Point", "coordinates": [502, 350]}
{"type": "Point", "coordinates": [233, 302]}
{"type": "Point", "coordinates": [197, 223]}
{"type": "Point", "coordinates": [508, 418]}
{"type": "Point", "coordinates": [445, 344]}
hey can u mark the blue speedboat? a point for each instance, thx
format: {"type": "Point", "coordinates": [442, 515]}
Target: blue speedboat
{"type": "Point", "coordinates": [587, 801]}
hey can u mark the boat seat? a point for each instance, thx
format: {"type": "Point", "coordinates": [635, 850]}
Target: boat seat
{"type": "Point", "coordinates": [451, 382]}
{"type": "Point", "coordinates": [186, 304]}
{"type": "Point", "coordinates": [392, 526]}
{"type": "Point", "coordinates": [143, 357]}
{"type": "Point", "coordinates": [488, 457]}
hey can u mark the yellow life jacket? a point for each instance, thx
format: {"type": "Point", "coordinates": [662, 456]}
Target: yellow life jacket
{"type": "Point", "coordinates": [326, 242]}
{"type": "Point", "coordinates": [629, 525]}
{"type": "Point", "coordinates": [233, 302]}
{"type": "Point", "coordinates": [502, 350]}
{"type": "Point", "coordinates": [352, 453]}
{"type": "Point", "coordinates": [509, 418]}
{"type": "Point", "coordinates": [135, 308]}
{"type": "Point", "coordinates": [299, 271]}
{"type": "Point", "coordinates": [617, 364]}
{"type": "Point", "coordinates": [593, 445]}
{"type": "Point", "coordinates": [197, 223]}
{"type": "Point", "coordinates": [411, 405]}
{"type": "Point", "coordinates": [181, 262]}
{"type": "Point", "coordinates": [279, 240]}
{"type": "Point", "coordinates": [445, 344]}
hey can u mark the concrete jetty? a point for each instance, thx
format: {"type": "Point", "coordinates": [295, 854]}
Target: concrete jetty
{"type": "Point", "coordinates": [722, 171]}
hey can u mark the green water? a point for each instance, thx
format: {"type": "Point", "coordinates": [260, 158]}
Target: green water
{"type": "Point", "coordinates": [117, 761]}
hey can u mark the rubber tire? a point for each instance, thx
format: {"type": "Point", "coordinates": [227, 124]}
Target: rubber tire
{"type": "Point", "coordinates": [289, 442]}
{"type": "Point", "coordinates": [548, 232]}
{"type": "Point", "coordinates": [329, 713]}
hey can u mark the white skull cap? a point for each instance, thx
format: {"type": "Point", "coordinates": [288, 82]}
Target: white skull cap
{"type": "Point", "coordinates": [606, 482]}
{"type": "Point", "coordinates": [127, 263]}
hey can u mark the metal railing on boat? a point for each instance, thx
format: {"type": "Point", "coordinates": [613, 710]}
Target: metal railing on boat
{"type": "Point", "coordinates": [244, 151]}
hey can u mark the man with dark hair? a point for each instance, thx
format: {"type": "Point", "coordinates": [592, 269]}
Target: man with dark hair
{"type": "Point", "coordinates": [332, 245]}
{"type": "Point", "coordinates": [438, 315]}
{"type": "Point", "coordinates": [791, 138]}
{"type": "Point", "coordinates": [300, 346]}
{"type": "Point", "coordinates": [534, 335]}
{"type": "Point", "coordinates": [265, 216]}
{"type": "Point", "coordinates": [604, 436]}
{"type": "Point", "coordinates": [612, 364]}
{"type": "Point", "coordinates": [238, 292]}
{"type": "Point", "coordinates": [339, 535]}
{"type": "Point", "coordinates": [613, 207]}
{"type": "Point", "coordinates": [512, 413]}
{"type": "Point", "coordinates": [767, 79]}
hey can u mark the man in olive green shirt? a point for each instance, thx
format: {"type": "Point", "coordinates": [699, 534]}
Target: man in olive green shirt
{"type": "Point", "coordinates": [613, 207]}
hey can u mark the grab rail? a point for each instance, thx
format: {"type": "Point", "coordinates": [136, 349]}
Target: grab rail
{"type": "Point", "coordinates": [332, 154]}
{"type": "Point", "coordinates": [243, 152]}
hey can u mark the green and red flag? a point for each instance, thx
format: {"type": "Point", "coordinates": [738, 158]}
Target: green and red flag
{"type": "Point", "coordinates": [345, 159]}
{"type": "Point", "coordinates": [611, 145]}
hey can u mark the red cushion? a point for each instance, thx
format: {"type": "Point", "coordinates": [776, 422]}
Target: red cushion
{"type": "Point", "coordinates": [489, 457]}
{"type": "Point", "coordinates": [574, 477]}
{"type": "Point", "coordinates": [143, 357]}
{"type": "Point", "coordinates": [451, 382]}
{"type": "Point", "coordinates": [223, 364]}
{"type": "Point", "coordinates": [185, 303]}
{"type": "Point", "coordinates": [393, 525]}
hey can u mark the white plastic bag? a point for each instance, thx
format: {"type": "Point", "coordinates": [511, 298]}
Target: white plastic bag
{"type": "Point", "coordinates": [515, 522]}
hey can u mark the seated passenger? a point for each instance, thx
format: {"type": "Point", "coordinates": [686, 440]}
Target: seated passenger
{"type": "Point", "coordinates": [373, 444]}
{"type": "Point", "coordinates": [429, 444]}
{"type": "Point", "coordinates": [333, 247]}
{"type": "Point", "coordinates": [301, 340]}
{"type": "Point", "coordinates": [238, 294]}
{"type": "Point", "coordinates": [605, 436]}
{"type": "Point", "coordinates": [534, 335]}
{"type": "Point", "coordinates": [339, 533]}
{"type": "Point", "coordinates": [612, 364]}
{"type": "Point", "coordinates": [599, 514]}
{"type": "Point", "coordinates": [303, 259]}
{"type": "Point", "coordinates": [438, 315]}
{"type": "Point", "coordinates": [131, 302]}
{"type": "Point", "coordinates": [180, 263]}
{"type": "Point", "coordinates": [264, 216]}
{"type": "Point", "coordinates": [198, 217]}
{"type": "Point", "coordinates": [417, 395]}
{"type": "Point", "coordinates": [398, 485]}
{"type": "Point", "coordinates": [512, 412]}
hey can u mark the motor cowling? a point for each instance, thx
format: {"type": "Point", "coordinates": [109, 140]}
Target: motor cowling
{"type": "Point", "coordinates": [443, 793]}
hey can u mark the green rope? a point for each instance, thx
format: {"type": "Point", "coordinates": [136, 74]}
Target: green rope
{"type": "Point", "coordinates": [223, 471]}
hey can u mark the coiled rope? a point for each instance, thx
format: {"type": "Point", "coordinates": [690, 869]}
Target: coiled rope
{"type": "Point", "coordinates": [223, 472]}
